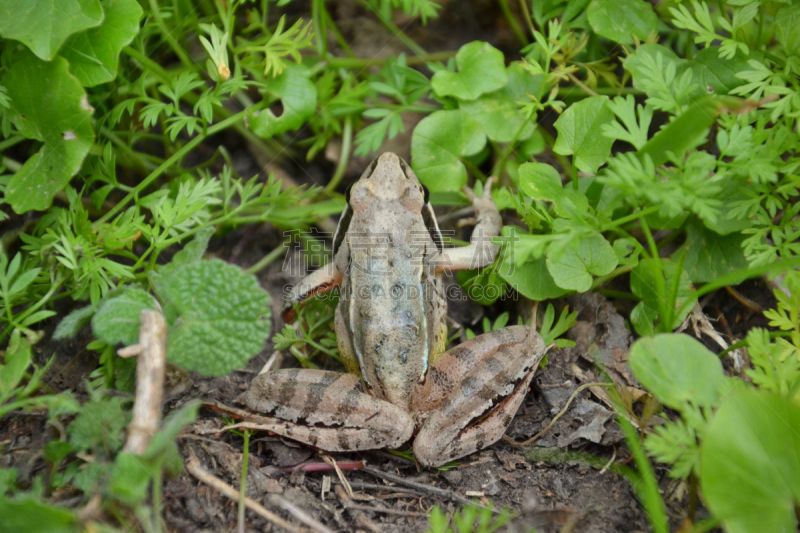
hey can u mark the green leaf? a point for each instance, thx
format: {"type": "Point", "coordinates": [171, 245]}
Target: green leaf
{"type": "Point", "coordinates": [573, 269]}
{"type": "Point", "coordinates": [191, 253]}
{"type": "Point", "coordinates": [224, 317]}
{"type": "Point", "coordinates": [750, 463]}
{"type": "Point", "coordinates": [56, 450]}
{"type": "Point", "coordinates": [18, 358]}
{"type": "Point", "coordinates": [540, 181]}
{"type": "Point", "coordinates": [43, 25]}
{"type": "Point", "coordinates": [499, 116]}
{"type": "Point", "coordinates": [711, 255]}
{"type": "Point", "coordinates": [117, 319]}
{"type": "Point", "coordinates": [26, 515]}
{"type": "Point", "coordinates": [98, 427]}
{"type": "Point", "coordinates": [71, 324]}
{"type": "Point", "coordinates": [719, 73]}
{"type": "Point", "coordinates": [677, 369]}
{"type": "Point", "coordinates": [643, 285]}
{"type": "Point", "coordinates": [93, 55]}
{"type": "Point", "coordinates": [130, 478]}
{"type": "Point", "coordinates": [621, 20]}
{"type": "Point", "coordinates": [580, 133]}
{"type": "Point", "coordinates": [48, 105]}
{"type": "Point", "coordinates": [8, 481]}
{"type": "Point", "coordinates": [439, 142]}
{"type": "Point", "coordinates": [787, 27]}
{"type": "Point", "coordinates": [530, 278]}
{"type": "Point", "coordinates": [481, 69]}
{"type": "Point", "coordinates": [173, 424]}
{"type": "Point", "coordinates": [298, 96]}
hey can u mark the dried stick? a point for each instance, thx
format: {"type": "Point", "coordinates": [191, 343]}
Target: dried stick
{"type": "Point", "coordinates": [194, 468]}
{"type": "Point", "coordinates": [300, 514]}
{"type": "Point", "coordinates": [430, 489]}
{"type": "Point", "coordinates": [150, 369]}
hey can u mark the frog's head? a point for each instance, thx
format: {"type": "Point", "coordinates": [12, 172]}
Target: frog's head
{"type": "Point", "coordinates": [388, 178]}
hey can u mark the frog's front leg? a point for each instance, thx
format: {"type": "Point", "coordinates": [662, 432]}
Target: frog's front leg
{"type": "Point", "coordinates": [481, 251]}
{"type": "Point", "coordinates": [473, 391]}
{"type": "Point", "coordinates": [320, 281]}
{"type": "Point", "coordinates": [327, 410]}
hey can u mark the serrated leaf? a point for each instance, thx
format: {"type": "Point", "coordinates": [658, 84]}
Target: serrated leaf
{"type": "Point", "coordinates": [71, 324]}
{"type": "Point", "coordinates": [622, 20]}
{"type": "Point", "coordinates": [787, 27]}
{"type": "Point", "coordinates": [93, 55]}
{"type": "Point", "coordinates": [677, 369]}
{"type": "Point", "coordinates": [580, 133]}
{"type": "Point", "coordinates": [56, 450]}
{"type": "Point", "coordinates": [750, 463]}
{"type": "Point", "coordinates": [573, 269]}
{"type": "Point", "coordinates": [190, 253]}
{"type": "Point", "coordinates": [298, 96]}
{"type": "Point", "coordinates": [43, 25]}
{"type": "Point", "coordinates": [439, 142]}
{"type": "Point", "coordinates": [98, 427]}
{"type": "Point", "coordinates": [117, 318]}
{"type": "Point", "coordinates": [224, 317]}
{"type": "Point", "coordinates": [711, 255]}
{"type": "Point", "coordinates": [481, 69]}
{"type": "Point", "coordinates": [49, 105]}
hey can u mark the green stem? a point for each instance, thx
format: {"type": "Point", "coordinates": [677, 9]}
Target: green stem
{"type": "Point", "coordinates": [661, 290]}
{"type": "Point", "coordinates": [330, 24]}
{"type": "Point", "coordinates": [512, 22]}
{"type": "Point", "coordinates": [157, 499]}
{"type": "Point", "coordinates": [318, 22]}
{"type": "Point", "coordinates": [601, 280]}
{"type": "Point", "coordinates": [344, 156]}
{"type": "Point", "coordinates": [243, 480]}
{"type": "Point", "coordinates": [579, 92]}
{"type": "Point", "coordinates": [389, 25]}
{"type": "Point", "coordinates": [523, 4]}
{"type": "Point", "coordinates": [11, 141]}
{"type": "Point", "coordinates": [633, 216]}
{"type": "Point", "coordinates": [176, 47]}
{"type": "Point", "coordinates": [574, 176]}
{"type": "Point", "coordinates": [267, 259]}
{"type": "Point", "coordinates": [501, 165]}
{"type": "Point", "coordinates": [174, 159]}
{"type": "Point", "coordinates": [54, 286]}
{"type": "Point", "coordinates": [11, 164]}
{"type": "Point", "coordinates": [362, 62]}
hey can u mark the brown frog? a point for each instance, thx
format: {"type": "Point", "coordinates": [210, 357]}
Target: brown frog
{"type": "Point", "coordinates": [391, 331]}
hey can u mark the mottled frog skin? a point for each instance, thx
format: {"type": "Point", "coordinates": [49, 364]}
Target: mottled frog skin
{"type": "Point", "coordinates": [391, 331]}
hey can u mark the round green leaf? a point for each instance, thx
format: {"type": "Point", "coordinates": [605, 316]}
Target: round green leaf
{"type": "Point", "coordinates": [93, 55]}
{"type": "Point", "coordinates": [298, 96]}
{"type": "Point", "coordinates": [499, 116]}
{"type": "Point", "coordinates": [677, 369]}
{"type": "Point", "coordinates": [719, 73]}
{"type": "Point", "coordinates": [580, 133]}
{"type": "Point", "coordinates": [540, 181]}
{"type": "Point", "coordinates": [711, 255]}
{"type": "Point", "coordinates": [439, 142]}
{"type": "Point", "coordinates": [117, 319]}
{"type": "Point", "coordinates": [750, 463]}
{"type": "Point", "coordinates": [621, 20]}
{"type": "Point", "coordinates": [224, 317]}
{"type": "Point", "coordinates": [43, 25]}
{"type": "Point", "coordinates": [572, 269]}
{"type": "Point", "coordinates": [481, 69]}
{"type": "Point", "coordinates": [49, 105]}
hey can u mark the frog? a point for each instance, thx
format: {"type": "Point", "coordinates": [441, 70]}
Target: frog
{"type": "Point", "coordinates": [388, 262]}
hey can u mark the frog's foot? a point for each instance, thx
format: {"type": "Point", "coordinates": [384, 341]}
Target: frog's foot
{"type": "Point", "coordinates": [495, 370]}
{"type": "Point", "coordinates": [327, 410]}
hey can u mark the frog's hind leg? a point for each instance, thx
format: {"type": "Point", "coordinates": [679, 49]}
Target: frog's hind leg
{"type": "Point", "coordinates": [327, 410]}
{"type": "Point", "coordinates": [478, 387]}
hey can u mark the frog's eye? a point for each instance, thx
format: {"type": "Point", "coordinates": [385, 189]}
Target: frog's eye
{"type": "Point", "coordinates": [347, 192]}
{"type": "Point", "coordinates": [426, 193]}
